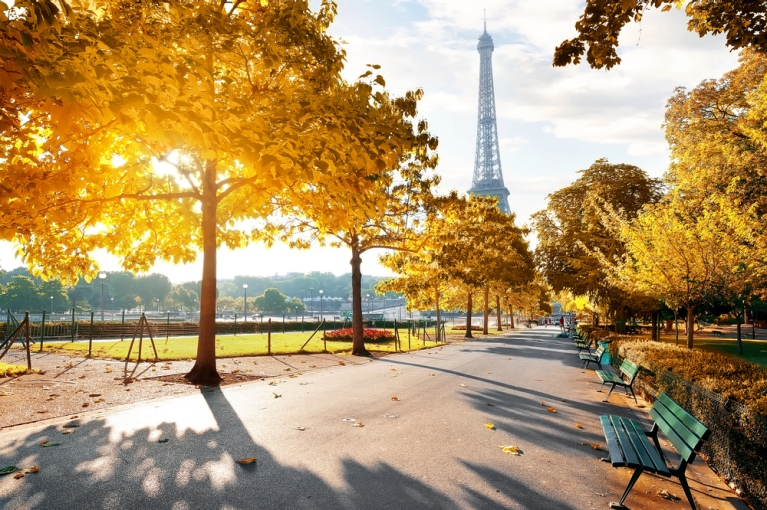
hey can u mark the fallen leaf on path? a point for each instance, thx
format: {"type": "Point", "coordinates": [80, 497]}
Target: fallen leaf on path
{"type": "Point", "coordinates": [358, 425]}
{"type": "Point", "coordinates": [6, 393]}
{"type": "Point", "coordinates": [432, 375]}
{"type": "Point", "coordinates": [33, 469]}
{"type": "Point", "coordinates": [578, 426]}
{"type": "Point", "coordinates": [46, 388]}
{"type": "Point", "coordinates": [563, 400]}
{"type": "Point", "coordinates": [49, 443]}
{"type": "Point", "coordinates": [508, 358]}
{"type": "Point", "coordinates": [551, 410]}
{"type": "Point", "coordinates": [491, 405]}
{"type": "Point", "coordinates": [82, 377]}
{"type": "Point", "coordinates": [393, 369]}
{"type": "Point", "coordinates": [596, 446]}
{"type": "Point", "coordinates": [463, 385]}
{"type": "Point", "coordinates": [8, 470]}
{"type": "Point", "coordinates": [490, 426]}
{"type": "Point", "coordinates": [108, 371]}
{"type": "Point", "coordinates": [301, 428]}
{"type": "Point", "coordinates": [18, 475]}
{"type": "Point", "coordinates": [49, 399]}
{"type": "Point", "coordinates": [511, 450]}
{"type": "Point", "coordinates": [273, 383]}
{"type": "Point", "coordinates": [341, 363]}
{"type": "Point", "coordinates": [249, 460]}
{"type": "Point", "coordinates": [543, 403]}
{"type": "Point", "coordinates": [276, 396]}
{"type": "Point", "coordinates": [312, 366]}
{"type": "Point", "coordinates": [67, 432]}
{"type": "Point", "coordinates": [667, 495]}
{"type": "Point", "coordinates": [86, 404]}
{"type": "Point", "coordinates": [287, 370]}
{"type": "Point", "coordinates": [94, 395]}
{"type": "Point", "coordinates": [396, 399]}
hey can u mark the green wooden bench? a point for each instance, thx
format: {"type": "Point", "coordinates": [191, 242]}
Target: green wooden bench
{"type": "Point", "coordinates": [593, 358]}
{"type": "Point", "coordinates": [629, 369]}
{"type": "Point", "coordinates": [630, 446]}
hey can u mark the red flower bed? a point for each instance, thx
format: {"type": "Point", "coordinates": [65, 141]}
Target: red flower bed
{"type": "Point", "coordinates": [370, 335]}
{"type": "Point", "coordinates": [463, 328]}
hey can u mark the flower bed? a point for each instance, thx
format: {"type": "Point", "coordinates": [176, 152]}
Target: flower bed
{"type": "Point", "coordinates": [463, 328]}
{"type": "Point", "coordinates": [370, 335]}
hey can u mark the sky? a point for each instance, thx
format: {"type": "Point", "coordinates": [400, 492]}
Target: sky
{"type": "Point", "coordinates": [552, 122]}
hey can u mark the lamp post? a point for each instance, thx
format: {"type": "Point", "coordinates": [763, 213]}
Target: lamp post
{"type": "Point", "coordinates": [321, 293]}
{"type": "Point", "coordinates": [245, 299]}
{"type": "Point", "coordinates": [51, 304]}
{"type": "Point", "coordinates": [157, 300]}
{"type": "Point", "coordinates": [368, 295]}
{"type": "Point", "coordinates": [102, 277]}
{"type": "Point", "coordinates": [303, 307]}
{"type": "Point", "coordinates": [311, 300]}
{"type": "Point", "coordinates": [112, 307]}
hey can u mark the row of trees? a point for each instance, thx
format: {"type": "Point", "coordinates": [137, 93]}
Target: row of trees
{"type": "Point", "coordinates": [158, 131]}
{"type": "Point", "coordinates": [695, 240]}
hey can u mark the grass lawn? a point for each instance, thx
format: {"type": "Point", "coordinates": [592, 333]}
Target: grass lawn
{"type": "Point", "coordinates": [754, 351]}
{"type": "Point", "coordinates": [228, 346]}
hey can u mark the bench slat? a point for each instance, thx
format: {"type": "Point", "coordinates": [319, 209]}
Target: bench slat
{"type": "Point", "coordinates": [690, 422]}
{"type": "Point", "coordinates": [629, 454]}
{"type": "Point", "coordinates": [646, 449]}
{"type": "Point", "coordinates": [611, 377]}
{"type": "Point", "coordinates": [680, 436]}
{"type": "Point", "coordinates": [616, 456]}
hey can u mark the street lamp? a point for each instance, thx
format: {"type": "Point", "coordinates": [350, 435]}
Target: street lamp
{"type": "Point", "coordinates": [368, 304]}
{"type": "Point", "coordinates": [158, 303]}
{"type": "Point", "coordinates": [245, 302]}
{"type": "Point", "coordinates": [51, 304]}
{"type": "Point", "coordinates": [321, 304]}
{"type": "Point", "coordinates": [102, 277]}
{"type": "Point", "coordinates": [311, 300]}
{"type": "Point", "coordinates": [302, 308]}
{"type": "Point", "coordinates": [112, 308]}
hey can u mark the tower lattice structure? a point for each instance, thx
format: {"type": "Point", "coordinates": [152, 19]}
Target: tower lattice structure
{"type": "Point", "coordinates": [488, 176]}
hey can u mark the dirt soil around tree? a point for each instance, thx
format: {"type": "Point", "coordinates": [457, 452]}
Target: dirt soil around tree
{"type": "Point", "coordinates": [69, 386]}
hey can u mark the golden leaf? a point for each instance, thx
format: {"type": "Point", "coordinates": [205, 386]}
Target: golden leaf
{"type": "Point", "coordinates": [249, 460]}
{"type": "Point", "coordinates": [551, 410]}
{"type": "Point", "coordinates": [490, 426]}
{"type": "Point", "coordinates": [511, 450]}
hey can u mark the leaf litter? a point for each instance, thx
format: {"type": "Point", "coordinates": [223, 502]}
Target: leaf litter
{"type": "Point", "coordinates": [511, 450]}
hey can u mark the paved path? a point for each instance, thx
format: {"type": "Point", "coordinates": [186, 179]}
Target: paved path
{"type": "Point", "coordinates": [429, 449]}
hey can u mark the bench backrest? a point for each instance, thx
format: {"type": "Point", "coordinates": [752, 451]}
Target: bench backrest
{"type": "Point", "coordinates": [629, 369]}
{"type": "Point", "coordinates": [680, 427]}
{"type": "Point", "coordinates": [599, 352]}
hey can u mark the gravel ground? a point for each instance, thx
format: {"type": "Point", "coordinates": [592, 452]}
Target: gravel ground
{"type": "Point", "coordinates": [68, 385]}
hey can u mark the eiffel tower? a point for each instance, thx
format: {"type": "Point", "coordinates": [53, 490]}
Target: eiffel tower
{"type": "Point", "coordinates": [488, 176]}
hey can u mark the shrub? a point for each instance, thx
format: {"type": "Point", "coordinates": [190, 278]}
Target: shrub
{"type": "Point", "coordinates": [463, 328]}
{"type": "Point", "coordinates": [729, 377]}
{"type": "Point", "coordinates": [370, 335]}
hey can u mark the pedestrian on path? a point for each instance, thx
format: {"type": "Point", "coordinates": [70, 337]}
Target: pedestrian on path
{"type": "Point", "coordinates": [562, 324]}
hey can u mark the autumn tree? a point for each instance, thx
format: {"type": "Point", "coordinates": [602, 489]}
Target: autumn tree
{"type": "Point", "coordinates": [742, 21]}
{"type": "Point", "coordinates": [572, 232]}
{"type": "Point", "coordinates": [387, 215]}
{"type": "Point", "coordinates": [165, 126]}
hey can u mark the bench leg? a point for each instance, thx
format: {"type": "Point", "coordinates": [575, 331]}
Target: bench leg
{"type": "Point", "coordinates": [608, 393]}
{"type": "Point", "coordinates": [630, 486]}
{"type": "Point", "coordinates": [632, 394]}
{"type": "Point", "coordinates": [603, 387]}
{"type": "Point", "coordinates": [686, 488]}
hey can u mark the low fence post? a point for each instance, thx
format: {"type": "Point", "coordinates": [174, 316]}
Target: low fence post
{"type": "Point", "coordinates": [73, 324]}
{"type": "Point", "coordinates": [409, 327]}
{"type": "Point", "coordinates": [268, 335]}
{"type": "Point", "coordinates": [122, 327]}
{"type": "Point", "coordinates": [324, 337]}
{"type": "Point", "coordinates": [42, 332]}
{"type": "Point", "coordinates": [235, 324]}
{"type": "Point", "coordinates": [90, 337]}
{"type": "Point", "coordinates": [28, 341]}
{"type": "Point", "coordinates": [167, 330]}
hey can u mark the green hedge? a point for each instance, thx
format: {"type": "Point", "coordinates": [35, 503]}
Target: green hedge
{"type": "Point", "coordinates": [726, 394]}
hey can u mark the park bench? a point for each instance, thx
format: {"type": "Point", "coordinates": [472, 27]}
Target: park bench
{"type": "Point", "coordinates": [593, 358]}
{"type": "Point", "coordinates": [629, 369]}
{"type": "Point", "coordinates": [629, 444]}
{"type": "Point", "coordinates": [582, 342]}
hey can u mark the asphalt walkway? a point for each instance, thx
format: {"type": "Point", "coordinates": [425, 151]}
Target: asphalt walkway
{"type": "Point", "coordinates": [403, 432]}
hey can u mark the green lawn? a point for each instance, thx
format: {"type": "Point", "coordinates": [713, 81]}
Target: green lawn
{"type": "Point", "coordinates": [226, 346]}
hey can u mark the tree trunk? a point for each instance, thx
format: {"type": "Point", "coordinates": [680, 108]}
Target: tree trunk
{"type": "Point", "coordinates": [439, 324]}
{"type": "Point", "coordinates": [498, 324]}
{"type": "Point", "coordinates": [204, 369]}
{"type": "Point", "coordinates": [485, 327]}
{"type": "Point", "coordinates": [738, 318]}
{"type": "Point", "coordinates": [468, 319]}
{"type": "Point", "coordinates": [511, 316]}
{"type": "Point", "coordinates": [690, 326]}
{"type": "Point", "coordinates": [358, 336]}
{"type": "Point", "coordinates": [676, 325]}
{"type": "Point", "coordinates": [654, 335]}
